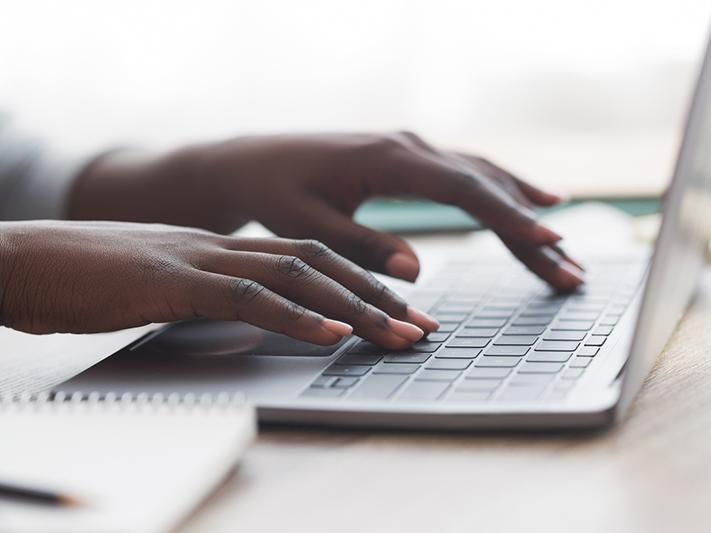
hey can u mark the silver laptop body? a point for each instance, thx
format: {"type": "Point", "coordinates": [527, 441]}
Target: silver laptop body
{"type": "Point", "coordinates": [514, 355]}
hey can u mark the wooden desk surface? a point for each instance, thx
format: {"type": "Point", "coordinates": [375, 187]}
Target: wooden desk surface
{"type": "Point", "coordinates": [650, 474]}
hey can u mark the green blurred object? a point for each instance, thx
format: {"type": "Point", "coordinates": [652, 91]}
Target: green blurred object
{"type": "Point", "coordinates": [418, 216]}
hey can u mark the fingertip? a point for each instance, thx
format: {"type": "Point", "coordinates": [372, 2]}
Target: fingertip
{"type": "Point", "coordinates": [407, 331]}
{"type": "Point", "coordinates": [422, 319]}
{"type": "Point", "coordinates": [403, 266]}
{"type": "Point", "coordinates": [544, 235]}
{"type": "Point", "coordinates": [337, 327]}
{"type": "Point", "coordinates": [569, 276]}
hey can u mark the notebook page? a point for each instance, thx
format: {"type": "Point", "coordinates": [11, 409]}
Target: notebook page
{"type": "Point", "coordinates": [142, 467]}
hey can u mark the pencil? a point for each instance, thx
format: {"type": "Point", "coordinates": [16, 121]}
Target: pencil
{"type": "Point", "coordinates": [39, 496]}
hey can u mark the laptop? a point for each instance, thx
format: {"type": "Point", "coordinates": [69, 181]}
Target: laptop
{"type": "Point", "coordinates": [510, 353]}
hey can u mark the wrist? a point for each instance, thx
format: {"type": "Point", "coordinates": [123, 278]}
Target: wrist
{"type": "Point", "coordinates": [113, 186]}
{"type": "Point", "coordinates": [9, 249]}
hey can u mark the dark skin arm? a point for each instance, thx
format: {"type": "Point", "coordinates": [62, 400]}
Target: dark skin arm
{"type": "Point", "coordinates": [100, 276]}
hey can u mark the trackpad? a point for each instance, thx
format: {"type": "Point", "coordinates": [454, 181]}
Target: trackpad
{"type": "Point", "coordinates": [209, 357]}
{"type": "Point", "coordinates": [214, 338]}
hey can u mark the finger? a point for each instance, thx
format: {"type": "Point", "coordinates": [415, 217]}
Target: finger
{"type": "Point", "coordinates": [371, 249]}
{"type": "Point", "coordinates": [534, 194]}
{"type": "Point", "coordinates": [547, 264]}
{"type": "Point", "coordinates": [345, 272]}
{"type": "Point", "coordinates": [444, 180]}
{"type": "Point", "coordinates": [295, 280]}
{"type": "Point", "coordinates": [502, 178]}
{"type": "Point", "coordinates": [565, 256]}
{"type": "Point", "coordinates": [220, 297]}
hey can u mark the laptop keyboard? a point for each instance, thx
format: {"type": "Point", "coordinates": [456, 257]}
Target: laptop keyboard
{"type": "Point", "coordinates": [504, 336]}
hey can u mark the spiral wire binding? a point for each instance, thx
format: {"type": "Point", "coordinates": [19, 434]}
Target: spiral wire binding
{"type": "Point", "coordinates": [126, 401]}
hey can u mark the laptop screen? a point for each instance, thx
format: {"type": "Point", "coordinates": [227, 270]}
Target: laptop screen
{"type": "Point", "coordinates": [683, 242]}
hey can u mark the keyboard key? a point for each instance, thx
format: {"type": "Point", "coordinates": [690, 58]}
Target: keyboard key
{"type": "Point", "coordinates": [449, 307]}
{"type": "Point", "coordinates": [540, 368]}
{"type": "Point", "coordinates": [573, 325]}
{"type": "Point", "coordinates": [487, 373]}
{"type": "Point", "coordinates": [358, 359]}
{"type": "Point", "coordinates": [610, 320]}
{"type": "Point", "coordinates": [469, 396]}
{"type": "Point", "coordinates": [516, 340]}
{"type": "Point", "coordinates": [524, 330]}
{"type": "Point", "coordinates": [564, 336]}
{"type": "Point", "coordinates": [493, 314]}
{"type": "Point", "coordinates": [312, 392]}
{"type": "Point", "coordinates": [602, 330]}
{"type": "Point", "coordinates": [587, 308]}
{"type": "Point", "coordinates": [511, 351]}
{"type": "Point", "coordinates": [580, 362]}
{"type": "Point", "coordinates": [448, 364]}
{"type": "Point", "coordinates": [437, 375]}
{"type": "Point", "coordinates": [587, 351]}
{"type": "Point", "coordinates": [346, 370]}
{"type": "Point", "coordinates": [595, 341]}
{"type": "Point", "coordinates": [528, 380]}
{"type": "Point", "coordinates": [549, 357]}
{"type": "Point", "coordinates": [367, 348]}
{"type": "Point", "coordinates": [395, 368]}
{"type": "Point", "coordinates": [487, 323]}
{"type": "Point", "coordinates": [520, 394]}
{"type": "Point", "coordinates": [478, 385]}
{"type": "Point", "coordinates": [478, 332]}
{"type": "Point", "coordinates": [424, 346]}
{"type": "Point", "coordinates": [534, 312]}
{"type": "Point", "coordinates": [509, 362]}
{"type": "Point", "coordinates": [566, 316]}
{"type": "Point", "coordinates": [378, 387]}
{"type": "Point", "coordinates": [437, 337]}
{"type": "Point", "coordinates": [447, 327]}
{"type": "Point", "coordinates": [458, 353]}
{"type": "Point", "coordinates": [324, 382]}
{"type": "Point", "coordinates": [573, 373]}
{"type": "Point", "coordinates": [451, 317]}
{"type": "Point", "coordinates": [556, 346]}
{"type": "Point", "coordinates": [532, 321]}
{"type": "Point", "coordinates": [344, 383]}
{"type": "Point", "coordinates": [564, 385]}
{"type": "Point", "coordinates": [467, 342]}
{"type": "Point", "coordinates": [407, 357]}
{"type": "Point", "coordinates": [423, 391]}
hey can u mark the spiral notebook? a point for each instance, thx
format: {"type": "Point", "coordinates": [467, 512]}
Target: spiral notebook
{"type": "Point", "coordinates": [141, 464]}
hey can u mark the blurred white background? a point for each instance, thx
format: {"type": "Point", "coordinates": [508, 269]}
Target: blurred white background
{"type": "Point", "coordinates": [582, 96]}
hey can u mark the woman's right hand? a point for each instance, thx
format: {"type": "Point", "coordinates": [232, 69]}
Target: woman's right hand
{"type": "Point", "coordinates": [86, 277]}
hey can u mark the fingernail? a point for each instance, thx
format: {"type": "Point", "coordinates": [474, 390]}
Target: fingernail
{"type": "Point", "coordinates": [421, 318]}
{"type": "Point", "coordinates": [400, 265]}
{"type": "Point", "coordinates": [571, 269]}
{"type": "Point", "coordinates": [405, 330]}
{"type": "Point", "coordinates": [339, 328]}
{"type": "Point", "coordinates": [547, 235]}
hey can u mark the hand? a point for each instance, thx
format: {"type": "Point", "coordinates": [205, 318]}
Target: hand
{"type": "Point", "coordinates": [302, 186]}
{"type": "Point", "coordinates": [89, 277]}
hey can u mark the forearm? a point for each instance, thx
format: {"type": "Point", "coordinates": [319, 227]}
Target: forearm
{"type": "Point", "coordinates": [135, 186]}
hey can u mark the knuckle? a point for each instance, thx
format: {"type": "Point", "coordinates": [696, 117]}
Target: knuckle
{"type": "Point", "coordinates": [245, 291]}
{"type": "Point", "coordinates": [295, 311]}
{"type": "Point", "coordinates": [356, 305]}
{"type": "Point", "coordinates": [384, 295]}
{"type": "Point", "coordinates": [292, 267]}
{"type": "Point", "coordinates": [410, 136]}
{"type": "Point", "coordinates": [312, 248]}
{"type": "Point", "coordinates": [386, 143]}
